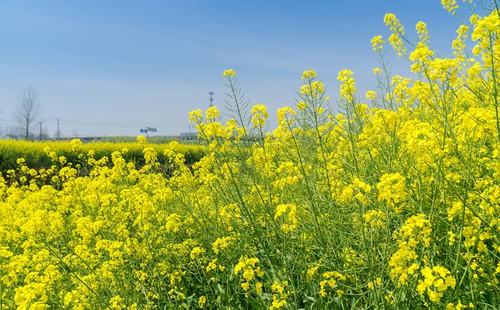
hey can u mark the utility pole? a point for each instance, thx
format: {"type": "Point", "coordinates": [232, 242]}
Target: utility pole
{"type": "Point", "coordinates": [40, 135]}
{"type": "Point", "coordinates": [58, 132]}
{"type": "Point", "coordinates": [211, 93]}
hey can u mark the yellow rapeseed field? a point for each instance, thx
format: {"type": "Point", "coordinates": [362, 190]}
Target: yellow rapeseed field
{"type": "Point", "coordinates": [393, 202]}
{"type": "Point", "coordinates": [40, 154]}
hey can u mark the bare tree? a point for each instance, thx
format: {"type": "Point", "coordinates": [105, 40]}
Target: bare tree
{"type": "Point", "coordinates": [27, 110]}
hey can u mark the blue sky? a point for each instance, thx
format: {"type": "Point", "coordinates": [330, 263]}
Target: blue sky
{"type": "Point", "coordinates": [112, 67]}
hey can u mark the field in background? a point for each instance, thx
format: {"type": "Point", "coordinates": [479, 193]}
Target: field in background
{"type": "Point", "coordinates": [185, 139]}
{"type": "Point", "coordinates": [37, 154]}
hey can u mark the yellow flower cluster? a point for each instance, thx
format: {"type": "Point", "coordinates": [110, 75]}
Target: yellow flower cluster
{"type": "Point", "coordinates": [309, 75]}
{"type": "Point", "coordinates": [435, 282]}
{"type": "Point", "coordinates": [397, 33]}
{"type": "Point", "coordinates": [374, 218]}
{"type": "Point", "coordinates": [229, 73]}
{"type": "Point", "coordinates": [279, 295]}
{"type": "Point", "coordinates": [371, 95]}
{"type": "Point", "coordinates": [313, 89]}
{"type": "Point", "coordinates": [331, 279]}
{"type": "Point", "coordinates": [289, 211]}
{"type": "Point", "coordinates": [250, 273]}
{"type": "Point", "coordinates": [259, 115]}
{"type": "Point", "coordinates": [415, 232]}
{"type": "Point", "coordinates": [377, 43]}
{"type": "Point", "coordinates": [391, 189]}
{"type": "Point", "coordinates": [450, 5]}
{"type": "Point", "coordinates": [423, 33]}
{"type": "Point", "coordinates": [221, 244]}
{"type": "Point", "coordinates": [347, 84]}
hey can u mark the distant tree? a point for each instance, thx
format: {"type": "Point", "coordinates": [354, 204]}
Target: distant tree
{"type": "Point", "coordinates": [27, 110]}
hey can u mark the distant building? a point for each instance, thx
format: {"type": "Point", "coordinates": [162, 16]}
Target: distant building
{"type": "Point", "coordinates": [148, 130]}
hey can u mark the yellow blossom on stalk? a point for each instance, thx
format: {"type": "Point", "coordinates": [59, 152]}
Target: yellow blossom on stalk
{"type": "Point", "coordinates": [249, 270]}
{"type": "Point", "coordinates": [259, 115]}
{"type": "Point", "coordinates": [377, 43]}
{"type": "Point", "coordinates": [485, 32]}
{"type": "Point", "coordinates": [116, 303]}
{"type": "Point", "coordinates": [150, 157]}
{"type": "Point", "coordinates": [347, 194]}
{"type": "Point", "coordinates": [458, 44]}
{"type": "Point", "coordinates": [435, 282]}
{"type": "Point", "coordinates": [75, 144]}
{"type": "Point", "coordinates": [141, 139]}
{"type": "Point", "coordinates": [229, 73]}
{"type": "Point", "coordinates": [277, 304]}
{"type": "Point", "coordinates": [371, 95]}
{"type": "Point", "coordinates": [403, 264]}
{"type": "Point", "coordinates": [196, 252]}
{"type": "Point", "coordinates": [347, 84]}
{"type": "Point", "coordinates": [287, 174]}
{"type": "Point", "coordinates": [443, 69]}
{"type": "Point", "coordinates": [459, 306]}
{"type": "Point", "coordinates": [366, 188]}
{"type": "Point", "coordinates": [450, 5]}
{"type": "Point", "coordinates": [420, 57]}
{"type": "Point", "coordinates": [221, 244]}
{"type": "Point", "coordinates": [301, 105]}
{"type": "Point", "coordinates": [258, 288]}
{"type": "Point", "coordinates": [397, 44]}
{"type": "Point", "coordinates": [358, 190]}
{"type": "Point", "coordinates": [308, 75]}
{"type": "Point", "coordinates": [331, 279]}
{"type": "Point", "coordinates": [31, 296]}
{"type": "Point", "coordinates": [202, 300]}
{"type": "Point", "coordinates": [375, 283]}
{"type": "Point", "coordinates": [290, 222]}
{"type": "Point", "coordinates": [375, 218]}
{"type": "Point", "coordinates": [212, 265]}
{"type": "Point", "coordinates": [279, 295]}
{"type": "Point", "coordinates": [212, 113]}
{"type": "Point", "coordinates": [62, 160]}
{"type": "Point", "coordinates": [352, 257]}
{"type": "Point", "coordinates": [284, 115]}
{"type": "Point", "coordinates": [173, 223]}
{"type": "Point", "coordinates": [423, 33]}
{"type": "Point", "coordinates": [391, 21]}
{"type": "Point", "coordinates": [311, 272]}
{"type": "Point", "coordinates": [313, 89]}
{"type": "Point", "coordinates": [376, 71]}
{"type": "Point", "coordinates": [416, 230]}
{"type": "Point", "coordinates": [344, 75]}
{"type": "Point", "coordinates": [391, 188]}
{"type": "Point", "coordinates": [196, 116]}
